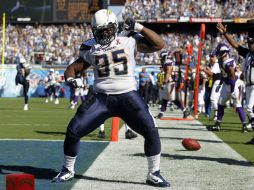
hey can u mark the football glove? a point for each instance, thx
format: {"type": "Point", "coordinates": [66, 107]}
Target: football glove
{"type": "Point", "coordinates": [131, 25]}
{"type": "Point", "coordinates": [75, 83]}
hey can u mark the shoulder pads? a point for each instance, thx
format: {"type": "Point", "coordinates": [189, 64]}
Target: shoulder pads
{"type": "Point", "coordinates": [87, 45]}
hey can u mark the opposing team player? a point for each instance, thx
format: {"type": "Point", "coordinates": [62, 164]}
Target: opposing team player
{"type": "Point", "coordinates": [231, 86]}
{"type": "Point", "coordinates": [112, 57]}
{"type": "Point", "coordinates": [81, 91]}
{"type": "Point", "coordinates": [248, 66]}
{"type": "Point", "coordinates": [52, 85]}
{"type": "Point", "coordinates": [169, 85]}
{"type": "Point", "coordinates": [23, 70]}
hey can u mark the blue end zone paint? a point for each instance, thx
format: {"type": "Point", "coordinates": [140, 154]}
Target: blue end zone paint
{"type": "Point", "coordinates": [43, 159]}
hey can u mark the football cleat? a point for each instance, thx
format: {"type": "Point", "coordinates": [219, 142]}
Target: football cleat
{"type": "Point", "coordinates": [57, 101]}
{"type": "Point", "coordinates": [244, 128]}
{"type": "Point", "coordinates": [251, 141]}
{"type": "Point", "coordinates": [155, 179]}
{"type": "Point", "coordinates": [64, 175]}
{"type": "Point", "coordinates": [249, 126]}
{"type": "Point", "coordinates": [101, 134]}
{"type": "Point", "coordinates": [129, 134]}
{"type": "Point", "coordinates": [72, 106]}
{"type": "Point", "coordinates": [26, 107]}
{"type": "Point", "coordinates": [186, 113]}
{"type": "Point", "coordinates": [46, 101]}
{"type": "Point", "coordinates": [216, 126]}
{"type": "Point", "coordinates": [160, 115]}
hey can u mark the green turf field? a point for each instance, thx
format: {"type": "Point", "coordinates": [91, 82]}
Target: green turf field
{"type": "Point", "coordinates": [231, 134]}
{"type": "Point", "coordinates": [41, 121]}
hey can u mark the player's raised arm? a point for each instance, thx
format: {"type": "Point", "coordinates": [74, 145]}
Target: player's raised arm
{"type": "Point", "coordinates": [223, 30]}
{"type": "Point", "coordinates": [73, 69]}
{"type": "Point", "coordinates": [151, 41]}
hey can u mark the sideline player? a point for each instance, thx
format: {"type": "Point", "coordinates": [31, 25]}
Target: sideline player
{"type": "Point", "coordinates": [23, 70]}
{"type": "Point", "coordinates": [213, 71]}
{"type": "Point", "coordinates": [81, 91]}
{"type": "Point", "coordinates": [231, 87]}
{"type": "Point", "coordinates": [247, 67]}
{"type": "Point", "coordinates": [113, 60]}
{"type": "Point", "coordinates": [52, 85]}
{"type": "Point", "coordinates": [169, 84]}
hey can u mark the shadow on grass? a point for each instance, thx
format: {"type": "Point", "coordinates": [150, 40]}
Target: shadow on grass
{"type": "Point", "coordinates": [201, 140]}
{"type": "Point", "coordinates": [39, 173]}
{"type": "Point", "coordinates": [192, 124]}
{"type": "Point", "coordinates": [223, 128]}
{"type": "Point", "coordinates": [227, 161]}
{"type": "Point", "coordinates": [91, 136]}
{"type": "Point", "coordinates": [48, 174]}
{"type": "Point", "coordinates": [107, 180]}
{"type": "Point", "coordinates": [181, 128]}
{"type": "Point", "coordinates": [51, 133]}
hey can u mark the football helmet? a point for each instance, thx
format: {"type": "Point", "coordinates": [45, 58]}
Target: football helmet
{"type": "Point", "coordinates": [222, 50]}
{"type": "Point", "coordinates": [104, 26]}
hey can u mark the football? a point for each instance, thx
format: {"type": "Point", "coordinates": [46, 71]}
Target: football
{"type": "Point", "coordinates": [191, 144]}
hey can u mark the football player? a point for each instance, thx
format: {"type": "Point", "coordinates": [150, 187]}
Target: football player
{"type": "Point", "coordinates": [231, 86]}
{"type": "Point", "coordinates": [23, 70]}
{"type": "Point", "coordinates": [112, 57]}
{"type": "Point", "coordinates": [213, 72]}
{"type": "Point", "coordinates": [52, 85]}
{"type": "Point", "coordinates": [169, 84]}
{"type": "Point", "coordinates": [248, 66]}
{"type": "Point", "coordinates": [81, 91]}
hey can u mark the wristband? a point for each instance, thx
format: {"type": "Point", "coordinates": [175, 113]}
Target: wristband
{"type": "Point", "coordinates": [138, 27]}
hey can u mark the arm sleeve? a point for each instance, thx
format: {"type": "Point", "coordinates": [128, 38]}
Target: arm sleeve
{"type": "Point", "coordinates": [243, 51]}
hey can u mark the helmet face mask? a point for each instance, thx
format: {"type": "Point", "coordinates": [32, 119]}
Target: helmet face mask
{"type": "Point", "coordinates": [105, 34]}
{"type": "Point", "coordinates": [104, 26]}
{"type": "Point", "coordinates": [222, 50]}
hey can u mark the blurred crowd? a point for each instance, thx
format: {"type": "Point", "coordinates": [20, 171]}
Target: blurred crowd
{"type": "Point", "coordinates": [49, 44]}
{"type": "Point", "coordinates": [161, 9]}
{"type": "Point", "coordinates": [59, 44]}
{"type": "Point", "coordinates": [180, 41]}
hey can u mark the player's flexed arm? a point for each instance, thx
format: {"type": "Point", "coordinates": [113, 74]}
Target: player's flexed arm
{"type": "Point", "coordinates": [73, 69]}
{"type": "Point", "coordinates": [150, 42]}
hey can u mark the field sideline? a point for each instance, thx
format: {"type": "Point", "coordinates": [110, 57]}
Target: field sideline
{"type": "Point", "coordinates": [47, 122]}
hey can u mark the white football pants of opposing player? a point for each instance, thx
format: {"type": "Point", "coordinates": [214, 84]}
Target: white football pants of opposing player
{"type": "Point", "coordinates": [225, 93]}
{"type": "Point", "coordinates": [215, 95]}
{"type": "Point", "coordinates": [250, 100]}
{"type": "Point", "coordinates": [168, 92]}
{"type": "Point", "coordinates": [80, 91]}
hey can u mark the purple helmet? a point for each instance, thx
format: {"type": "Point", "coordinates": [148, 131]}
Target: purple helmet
{"type": "Point", "coordinates": [221, 50]}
